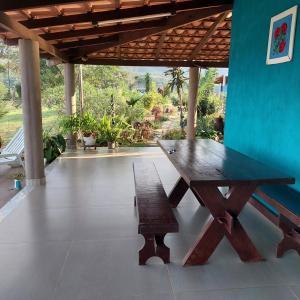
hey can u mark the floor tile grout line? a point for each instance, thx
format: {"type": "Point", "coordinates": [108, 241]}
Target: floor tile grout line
{"type": "Point", "coordinates": [171, 285]}
{"type": "Point", "coordinates": [293, 292]}
{"type": "Point", "coordinates": [238, 288]}
{"type": "Point", "coordinates": [59, 277]}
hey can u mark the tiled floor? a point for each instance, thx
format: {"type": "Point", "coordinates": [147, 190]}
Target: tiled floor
{"type": "Point", "coordinates": [76, 239]}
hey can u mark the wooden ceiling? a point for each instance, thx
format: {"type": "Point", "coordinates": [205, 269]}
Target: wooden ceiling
{"type": "Point", "coordinates": [123, 32]}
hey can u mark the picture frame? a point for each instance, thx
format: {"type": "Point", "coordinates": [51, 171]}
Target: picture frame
{"type": "Point", "coordinates": [281, 36]}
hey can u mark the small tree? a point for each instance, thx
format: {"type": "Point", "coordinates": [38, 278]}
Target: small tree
{"type": "Point", "coordinates": [148, 81]}
{"type": "Point", "coordinates": [177, 83]}
{"type": "Point", "coordinates": [206, 88]}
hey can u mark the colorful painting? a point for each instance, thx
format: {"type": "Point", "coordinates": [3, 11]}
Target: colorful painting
{"type": "Point", "coordinates": [281, 37]}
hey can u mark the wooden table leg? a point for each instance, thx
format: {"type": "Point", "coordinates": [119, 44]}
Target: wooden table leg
{"type": "Point", "coordinates": [224, 222]}
{"type": "Point", "coordinates": [206, 244]}
{"type": "Point", "coordinates": [178, 192]}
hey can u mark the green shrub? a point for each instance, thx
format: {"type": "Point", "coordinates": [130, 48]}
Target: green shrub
{"type": "Point", "coordinates": [164, 119]}
{"type": "Point", "coordinates": [54, 146]}
{"type": "Point", "coordinates": [174, 134]}
{"type": "Point", "coordinates": [205, 128]}
{"type": "Point", "coordinates": [156, 124]}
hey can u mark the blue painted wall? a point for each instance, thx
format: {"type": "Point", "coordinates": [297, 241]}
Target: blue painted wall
{"type": "Point", "coordinates": [263, 104]}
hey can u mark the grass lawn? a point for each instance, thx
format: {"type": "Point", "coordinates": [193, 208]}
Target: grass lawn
{"type": "Point", "coordinates": [14, 120]}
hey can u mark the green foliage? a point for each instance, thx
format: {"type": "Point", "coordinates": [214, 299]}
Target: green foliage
{"type": "Point", "coordinates": [54, 145]}
{"type": "Point", "coordinates": [134, 99]}
{"type": "Point", "coordinates": [152, 98]}
{"type": "Point", "coordinates": [108, 131]}
{"type": "Point", "coordinates": [208, 102]}
{"type": "Point", "coordinates": [53, 97]}
{"type": "Point", "coordinates": [174, 134]}
{"type": "Point", "coordinates": [148, 81]}
{"type": "Point", "coordinates": [205, 128]}
{"type": "Point", "coordinates": [50, 76]}
{"type": "Point", "coordinates": [70, 124]}
{"type": "Point", "coordinates": [102, 77]}
{"type": "Point", "coordinates": [87, 123]}
{"type": "Point", "coordinates": [177, 82]}
{"type": "Point", "coordinates": [3, 93]}
{"type": "Point", "coordinates": [164, 119]}
{"type": "Point", "coordinates": [156, 124]}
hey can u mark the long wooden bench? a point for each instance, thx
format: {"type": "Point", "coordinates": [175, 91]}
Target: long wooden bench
{"type": "Point", "coordinates": [156, 217]}
{"type": "Point", "coordinates": [281, 205]}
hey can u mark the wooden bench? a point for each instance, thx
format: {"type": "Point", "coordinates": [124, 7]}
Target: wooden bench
{"type": "Point", "coordinates": [156, 217]}
{"type": "Point", "coordinates": [281, 205]}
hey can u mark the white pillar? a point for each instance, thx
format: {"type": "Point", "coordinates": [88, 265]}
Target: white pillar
{"type": "Point", "coordinates": [32, 111]}
{"type": "Point", "coordinates": [81, 90]}
{"type": "Point", "coordinates": [192, 102]}
{"type": "Point", "coordinates": [70, 98]}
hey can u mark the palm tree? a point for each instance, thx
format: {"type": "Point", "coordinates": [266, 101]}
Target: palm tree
{"type": "Point", "coordinates": [177, 82]}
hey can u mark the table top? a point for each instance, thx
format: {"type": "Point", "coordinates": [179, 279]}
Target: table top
{"type": "Point", "coordinates": [208, 161]}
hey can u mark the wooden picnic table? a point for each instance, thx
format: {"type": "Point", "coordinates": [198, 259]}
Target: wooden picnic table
{"type": "Point", "coordinates": [204, 166]}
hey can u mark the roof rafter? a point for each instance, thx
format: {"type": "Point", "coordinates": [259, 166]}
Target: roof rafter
{"type": "Point", "coordinates": [103, 30]}
{"type": "Point", "coordinates": [156, 63]}
{"type": "Point", "coordinates": [14, 26]}
{"type": "Point", "coordinates": [26, 4]}
{"type": "Point", "coordinates": [120, 14]}
{"type": "Point", "coordinates": [172, 22]}
{"type": "Point", "coordinates": [209, 33]}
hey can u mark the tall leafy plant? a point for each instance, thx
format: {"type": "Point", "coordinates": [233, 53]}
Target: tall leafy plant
{"type": "Point", "coordinates": [177, 83]}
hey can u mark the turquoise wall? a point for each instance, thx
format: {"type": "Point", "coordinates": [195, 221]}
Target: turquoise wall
{"type": "Point", "coordinates": [263, 105]}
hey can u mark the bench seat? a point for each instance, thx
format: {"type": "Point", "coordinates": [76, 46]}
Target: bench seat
{"type": "Point", "coordinates": [156, 217]}
{"type": "Point", "coordinates": [281, 205]}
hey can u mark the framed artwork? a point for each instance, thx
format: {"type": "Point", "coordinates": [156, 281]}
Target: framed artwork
{"type": "Point", "coordinates": [281, 37]}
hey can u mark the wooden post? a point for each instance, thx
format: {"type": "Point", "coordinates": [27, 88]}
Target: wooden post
{"type": "Point", "coordinates": [192, 103]}
{"type": "Point", "coordinates": [32, 111]}
{"type": "Point", "coordinates": [70, 99]}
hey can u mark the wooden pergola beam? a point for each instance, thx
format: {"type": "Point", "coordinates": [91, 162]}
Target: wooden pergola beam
{"type": "Point", "coordinates": [172, 22]}
{"type": "Point", "coordinates": [27, 4]}
{"type": "Point", "coordinates": [103, 30]}
{"type": "Point", "coordinates": [155, 63]}
{"type": "Point", "coordinates": [119, 14]}
{"type": "Point", "coordinates": [24, 33]}
{"type": "Point", "coordinates": [102, 41]}
{"type": "Point", "coordinates": [209, 33]}
{"type": "Point", "coordinates": [160, 44]}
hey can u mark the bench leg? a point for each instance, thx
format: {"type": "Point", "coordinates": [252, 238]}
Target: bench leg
{"type": "Point", "coordinates": [154, 246]}
{"type": "Point", "coordinates": [162, 250]}
{"type": "Point", "coordinates": [290, 241]}
{"type": "Point", "coordinates": [148, 250]}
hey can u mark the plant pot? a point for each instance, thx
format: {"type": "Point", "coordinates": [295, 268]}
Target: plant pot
{"type": "Point", "coordinates": [111, 145]}
{"type": "Point", "coordinates": [89, 140]}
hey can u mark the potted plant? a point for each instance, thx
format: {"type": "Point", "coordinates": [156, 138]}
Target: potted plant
{"type": "Point", "coordinates": [109, 131]}
{"type": "Point", "coordinates": [18, 178]}
{"type": "Point", "coordinates": [88, 128]}
{"type": "Point", "coordinates": [70, 125]}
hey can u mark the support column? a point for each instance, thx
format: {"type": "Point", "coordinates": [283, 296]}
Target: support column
{"type": "Point", "coordinates": [32, 111]}
{"type": "Point", "coordinates": [81, 90]}
{"type": "Point", "coordinates": [70, 99]}
{"type": "Point", "coordinates": [192, 102]}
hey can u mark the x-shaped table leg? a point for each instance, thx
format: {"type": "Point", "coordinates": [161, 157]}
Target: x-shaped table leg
{"type": "Point", "coordinates": [224, 222]}
{"type": "Point", "coordinates": [179, 191]}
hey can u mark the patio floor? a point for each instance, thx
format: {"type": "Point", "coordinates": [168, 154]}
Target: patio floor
{"type": "Point", "coordinates": [76, 239]}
